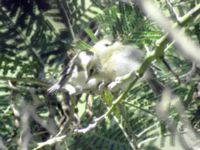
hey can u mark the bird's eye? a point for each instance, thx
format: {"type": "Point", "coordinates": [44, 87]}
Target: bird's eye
{"type": "Point", "coordinates": [107, 44]}
{"type": "Point", "coordinates": [91, 71]}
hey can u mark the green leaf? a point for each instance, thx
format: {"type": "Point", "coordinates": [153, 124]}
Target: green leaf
{"type": "Point", "coordinates": [91, 35]}
{"type": "Point", "coordinates": [107, 97]}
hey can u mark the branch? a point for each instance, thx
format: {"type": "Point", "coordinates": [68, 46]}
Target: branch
{"type": "Point", "coordinates": [132, 142]}
{"type": "Point", "coordinates": [155, 125]}
{"type": "Point", "coordinates": [48, 125]}
{"type": "Point", "coordinates": [25, 136]}
{"type": "Point", "coordinates": [50, 142]}
{"type": "Point", "coordinates": [172, 10]}
{"type": "Point", "coordinates": [26, 81]}
{"type": "Point", "coordinates": [189, 139]}
{"type": "Point", "coordinates": [63, 7]}
{"type": "Point", "coordinates": [151, 139]}
{"type": "Point", "coordinates": [190, 49]}
{"type": "Point", "coordinates": [15, 109]}
{"type": "Point", "coordinates": [187, 18]}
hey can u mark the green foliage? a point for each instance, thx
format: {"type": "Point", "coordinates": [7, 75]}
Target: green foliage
{"type": "Point", "coordinates": [128, 23]}
{"type": "Point", "coordinates": [25, 38]}
{"type": "Point", "coordinates": [38, 37]}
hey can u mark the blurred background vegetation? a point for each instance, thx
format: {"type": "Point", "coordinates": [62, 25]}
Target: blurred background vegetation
{"type": "Point", "coordinates": [39, 37]}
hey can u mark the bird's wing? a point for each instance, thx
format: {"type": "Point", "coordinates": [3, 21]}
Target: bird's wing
{"type": "Point", "coordinates": [66, 73]}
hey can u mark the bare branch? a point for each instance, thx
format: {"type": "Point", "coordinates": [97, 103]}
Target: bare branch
{"type": "Point", "coordinates": [189, 139]}
{"type": "Point", "coordinates": [49, 126]}
{"type": "Point", "coordinates": [50, 142]}
{"type": "Point", "coordinates": [26, 135]}
{"type": "Point", "coordinates": [172, 10]}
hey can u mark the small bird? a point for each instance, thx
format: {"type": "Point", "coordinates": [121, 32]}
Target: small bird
{"type": "Point", "coordinates": [105, 65]}
{"type": "Point", "coordinates": [118, 61]}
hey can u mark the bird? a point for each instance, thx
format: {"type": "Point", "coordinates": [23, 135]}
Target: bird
{"type": "Point", "coordinates": [105, 66]}
{"type": "Point", "coordinates": [118, 61]}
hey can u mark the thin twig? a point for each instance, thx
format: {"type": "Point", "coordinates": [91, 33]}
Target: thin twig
{"type": "Point", "coordinates": [132, 143]}
{"type": "Point", "coordinates": [147, 129]}
{"type": "Point", "coordinates": [49, 126]}
{"type": "Point", "coordinates": [64, 6]}
{"type": "Point", "coordinates": [13, 105]}
{"type": "Point", "coordinates": [189, 139]}
{"type": "Point", "coordinates": [173, 11]}
{"type": "Point", "coordinates": [50, 142]}
{"type": "Point", "coordinates": [148, 140]}
{"type": "Point", "coordinates": [26, 135]}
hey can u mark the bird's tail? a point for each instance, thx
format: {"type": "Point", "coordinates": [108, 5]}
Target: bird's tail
{"type": "Point", "coordinates": [156, 86]}
{"type": "Point", "coordinates": [153, 82]}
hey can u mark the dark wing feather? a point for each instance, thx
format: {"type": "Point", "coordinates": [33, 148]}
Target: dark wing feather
{"type": "Point", "coordinates": [64, 76]}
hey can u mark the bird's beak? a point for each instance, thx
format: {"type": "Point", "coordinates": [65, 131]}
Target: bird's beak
{"type": "Point", "coordinates": [93, 49]}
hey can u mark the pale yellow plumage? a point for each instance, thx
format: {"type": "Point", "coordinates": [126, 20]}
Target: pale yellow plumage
{"type": "Point", "coordinates": [117, 61]}
{"type": "Point", "coordinates": [105, 66]}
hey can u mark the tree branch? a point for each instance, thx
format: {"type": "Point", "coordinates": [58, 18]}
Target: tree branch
{"type": "Point", "coordinates": [63, 7]}
{"type": "Point", "coordinates": [26, 80]}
